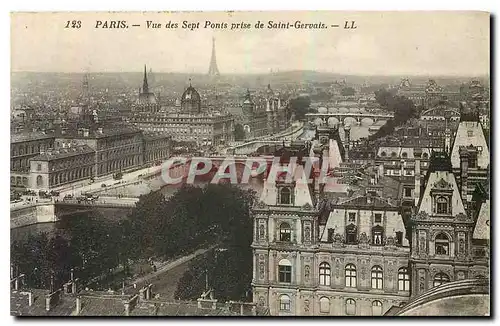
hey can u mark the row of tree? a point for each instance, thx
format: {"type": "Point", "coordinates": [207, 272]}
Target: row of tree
{"type": "Point", "coordinates": [95, 248]}
{"type": "Point", "coordinates": [403, 108]}
{"type": "Point", "coordinates": [89, 248]}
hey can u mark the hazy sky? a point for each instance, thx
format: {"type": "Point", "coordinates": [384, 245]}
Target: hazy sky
{"type": "Point", "coordinates": [384, 43]}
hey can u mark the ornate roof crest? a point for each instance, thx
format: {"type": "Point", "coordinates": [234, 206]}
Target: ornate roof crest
{"type": "Point", "coordinates": [442, 184]}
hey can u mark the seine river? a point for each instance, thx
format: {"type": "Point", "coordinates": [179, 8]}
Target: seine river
{"type": "Point", "coordinates": [357, 132]}
{"type": "Point", "coordinates": [110, 214]}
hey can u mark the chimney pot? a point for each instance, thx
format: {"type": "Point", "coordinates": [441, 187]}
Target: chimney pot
{"type": "Point", "coordinates": [78, 305]}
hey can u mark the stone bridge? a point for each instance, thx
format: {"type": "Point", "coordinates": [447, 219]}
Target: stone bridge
{"type": "Point", "coordinates": [247, 148]}
{"type": "Point", "coordinates": [54, 211]}
{"type": "Point", "coordinates": [345, 117]}
{"type": "Point", "coordinates": [253, 146]}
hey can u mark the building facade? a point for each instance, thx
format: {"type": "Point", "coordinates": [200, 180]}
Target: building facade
{"type": "Point", "coordinates": [23, 147]}
{"type": "Point", "coordinates": [442, 232]}
{"type": "Point", "coordinates": [364, 252]}
{"type": "Point", "coordinates": [117, 148]}
{"type": "Point", "coordinates": [56, 167]}
{"type": "Point", "coordinates": [157, 148]}
{"type": "Point", "coordinates": [351, 259]}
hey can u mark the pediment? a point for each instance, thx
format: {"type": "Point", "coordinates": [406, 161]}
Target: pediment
{"type": "Point", "coordinates": [443, 184]}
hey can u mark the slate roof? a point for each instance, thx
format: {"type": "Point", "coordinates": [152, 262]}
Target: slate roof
{"type": "Point", "coordinates": [28, 136]}
{"type": "Point", "coordinates": [95, 305]}
{"type": "Point", "coordinates": [19, 304]}
{"type": "Point", "coordinates": [63, 153]}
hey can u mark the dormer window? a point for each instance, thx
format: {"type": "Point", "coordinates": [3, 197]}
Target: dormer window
{"type": "Point", "coordinates": [442, 206]}
{"type": "Point", "coordinates": [378, 235]}
{"type": "Point", "coordinates": [285, 196]}
{"type": "Point", "coordinates": [352, 217]}
{"type": "Point", "coordinates": [351, 234]}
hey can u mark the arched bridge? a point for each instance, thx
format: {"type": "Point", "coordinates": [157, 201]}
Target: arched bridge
{"type": "Point", "coordinates": [344, 117]}
{"type": "Point", "coordinates": [251, 147]}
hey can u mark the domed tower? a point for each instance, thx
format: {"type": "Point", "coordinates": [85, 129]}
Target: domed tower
{"type": "Point", "coordinates": [191, 101]}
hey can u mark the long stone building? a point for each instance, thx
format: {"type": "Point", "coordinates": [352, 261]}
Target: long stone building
{"type": "Point", "coordinates": [84, 153]}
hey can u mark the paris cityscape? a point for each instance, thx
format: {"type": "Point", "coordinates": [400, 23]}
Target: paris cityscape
{"type": "Point", "coordinates": [284, 193]}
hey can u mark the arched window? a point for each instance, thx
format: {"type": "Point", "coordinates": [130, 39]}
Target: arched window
{"type": "Point", "coordinates": [383, 154]}
{"type": "Point", "coordinates": [377, 277]}
{"type": "Point", "coordinates": [404, 155]}
{"type": "Point", "coordinates": [285, 271]}
{"type": "Point", "coordinates": [378, 235]}
{"type": "Point", "coordinates": [403, 279]}
{"type": "Point", "coordinates": [425, 155]}
{"type": "Point", "coordinates": [285, 196]}
{"type": "Point", "coordinates": [39, 181]}
{"type": "Point", "coordinates": [441, 205]}
{"type": "Point", "coordinates": [324, 274]}
{"type": "Point", "coordinates": [440, 278]}
{"type": "Point", "coordinates": [285, 303]}
{"type": "Point", "coordinates": [324, 305]}
{"type": "Point", "coordinates": [350, 307]}
{"type": "Point", "coordinates": [376, 308]}
{"type": "Point", "coordinates": [393, 154]}
{"type": "Point", "coordinates": [350, 276]}
{"type": "Point", "coordinates": [442, 244]}
{"type": "Point", "coordinates": [285, 232]}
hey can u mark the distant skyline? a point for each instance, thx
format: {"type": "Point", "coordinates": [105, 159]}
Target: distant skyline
{"type": "Point", "coordinates": [384, 44]}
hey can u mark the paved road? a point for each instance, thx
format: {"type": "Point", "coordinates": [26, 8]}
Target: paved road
{"type": "Point", "coordinates": [97, 185]}
{"type": "Point", "coordinates": [165, 279]}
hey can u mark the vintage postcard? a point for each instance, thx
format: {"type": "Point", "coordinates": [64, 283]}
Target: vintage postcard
{"type": "Point", "coordinates": [287, 163]}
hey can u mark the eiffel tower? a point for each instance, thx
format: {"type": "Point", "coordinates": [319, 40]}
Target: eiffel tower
{"type": "Point", "coordinates": [213, 70]}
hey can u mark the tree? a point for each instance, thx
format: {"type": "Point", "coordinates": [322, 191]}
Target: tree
{"type": "Point", "coordinates": [403, 108]}
{"type": "Point", "coordinates": [300, 106]}
{"type": "Point", "coordinates": [229, 270]}
{"type": "Point", "coordinates": [348, 91]}
{"type": "Point", "coordinates": [384, 97]}
{"type": "Point", "coordinates": [42, 258]}
{"type": "Point", "coordinates": [239, 132]}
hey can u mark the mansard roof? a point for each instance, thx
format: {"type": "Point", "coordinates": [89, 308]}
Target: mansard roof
{"type": "Point", "coordinates": [368, 201]}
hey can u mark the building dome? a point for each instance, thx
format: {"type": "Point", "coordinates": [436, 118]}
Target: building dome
{"type": "Point", "coordinates": [191, 100]}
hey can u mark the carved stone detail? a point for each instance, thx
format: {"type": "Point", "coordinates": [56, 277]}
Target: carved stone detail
{"type": "Point", "coordinates": [307, 273]}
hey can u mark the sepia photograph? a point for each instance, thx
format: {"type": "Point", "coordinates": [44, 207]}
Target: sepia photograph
{"type": "Point", "coordinates": [250, 164]}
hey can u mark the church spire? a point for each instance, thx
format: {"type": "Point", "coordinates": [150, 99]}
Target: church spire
{"type": "Point", "coordinates": [145, 88]}
{"type": "Point", "coordinates": [213, 70]}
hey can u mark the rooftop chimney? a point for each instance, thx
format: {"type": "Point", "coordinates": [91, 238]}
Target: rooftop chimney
{"type": "Point", "coordinates": [417, 153]}
{"type": "Point", "coordinates": [464, 166]}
